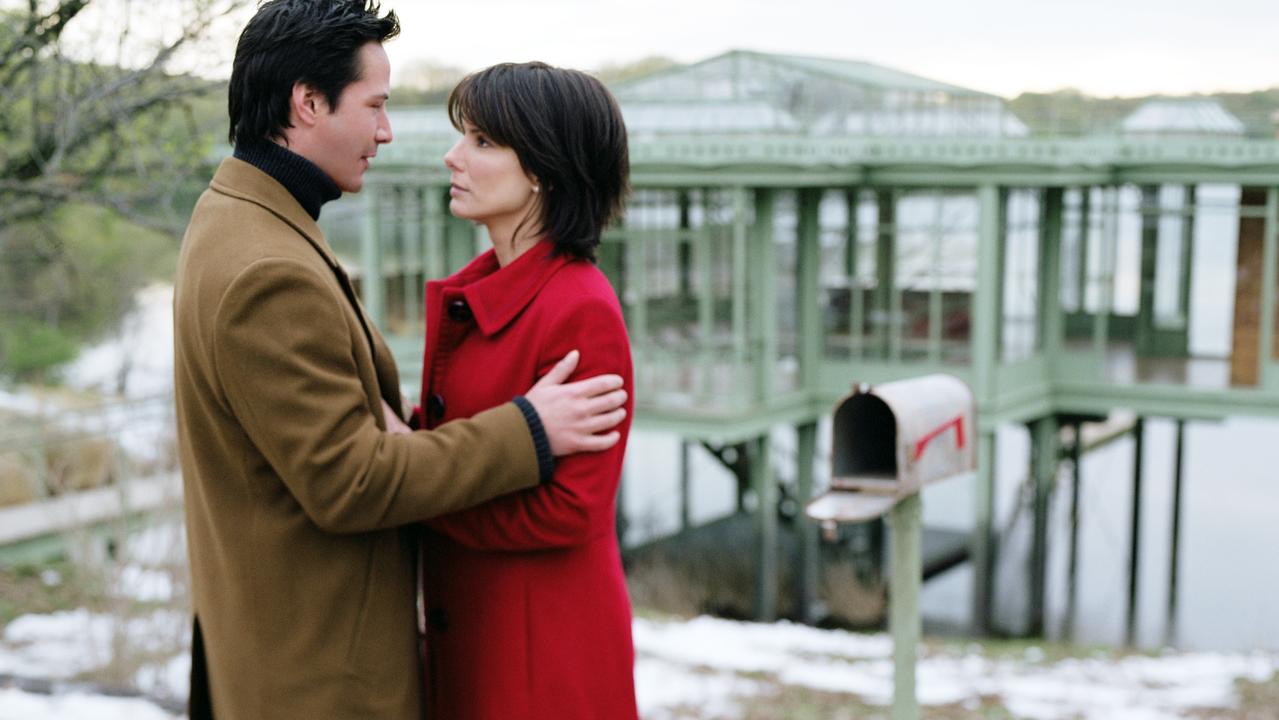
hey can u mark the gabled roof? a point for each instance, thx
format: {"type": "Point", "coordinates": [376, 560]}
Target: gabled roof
{"type": "Point", "coordinates": [1182, 117]}
{"type": "Point", "coordinates": [865, 73]}
{"type": "Point", "coordinates": [852, 72]}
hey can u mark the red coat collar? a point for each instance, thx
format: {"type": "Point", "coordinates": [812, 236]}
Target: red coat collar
{"type": "Point", "coordinates": [495, 294]}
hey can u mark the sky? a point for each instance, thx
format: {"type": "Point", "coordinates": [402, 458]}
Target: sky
{"type": "Point", "coordinates": [1110, 47]}
{"type": "Point", "coordinates": [1103, 47]}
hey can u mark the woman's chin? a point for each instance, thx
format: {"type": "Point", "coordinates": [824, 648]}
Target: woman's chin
{"type": "Point", "coordinates": [462, 212]}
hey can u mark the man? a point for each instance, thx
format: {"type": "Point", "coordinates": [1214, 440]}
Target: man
{"type": "Point", "coordinates": [298, 470]}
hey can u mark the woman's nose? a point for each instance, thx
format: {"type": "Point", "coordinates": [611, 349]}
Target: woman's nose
{"type": "Point", "coordinates": [451, 157]}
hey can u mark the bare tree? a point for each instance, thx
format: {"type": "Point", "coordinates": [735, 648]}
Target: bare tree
{"type": "Point", "coordinates": [117, 132]}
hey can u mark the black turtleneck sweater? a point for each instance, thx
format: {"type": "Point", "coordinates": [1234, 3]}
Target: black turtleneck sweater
{"type": "Point", "coordinates": [302, 178]}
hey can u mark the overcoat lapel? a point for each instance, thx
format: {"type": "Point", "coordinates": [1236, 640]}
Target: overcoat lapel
{"type": "Point", "coordinates": [242, 180]}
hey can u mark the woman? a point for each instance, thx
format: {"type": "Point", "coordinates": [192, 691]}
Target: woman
{"type": "Point", "coordinates": [526, 604]}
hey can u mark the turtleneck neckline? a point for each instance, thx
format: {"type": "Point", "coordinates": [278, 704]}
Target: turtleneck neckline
{"type": "Point", "coordinates": [308, 184]}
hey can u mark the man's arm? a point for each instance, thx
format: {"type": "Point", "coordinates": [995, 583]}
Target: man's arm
{"type": "Point", "coordinates": [563, 417]}
{"type": "Point", "coordinates": [284, 357]}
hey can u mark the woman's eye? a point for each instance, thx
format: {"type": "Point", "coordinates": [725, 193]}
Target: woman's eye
{"type": "Point", "coordinates": [481, 141]}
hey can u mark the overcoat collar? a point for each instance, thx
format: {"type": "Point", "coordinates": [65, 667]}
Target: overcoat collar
{"type": "Point", "coordinates": [495, 294]}
{"type": "Point", "coordinates": [239, 179]}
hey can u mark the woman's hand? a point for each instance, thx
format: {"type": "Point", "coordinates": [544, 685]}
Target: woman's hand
{"type": "Point", "coordinates": [573, 414]}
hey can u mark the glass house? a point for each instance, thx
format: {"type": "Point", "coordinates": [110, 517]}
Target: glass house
{"type": "Point", "coordinates": [799, 224]}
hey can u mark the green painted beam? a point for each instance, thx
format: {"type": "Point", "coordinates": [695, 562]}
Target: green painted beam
{"type": "Point", "coordinates": [433, 252]}
{"type": "Point", "coordinates": [1149, 256]}
{"type": "Point", "coordinates": [808, 299]}
{"type": "Point", "coordinates": [371, 289]}
{"type": "Point", "coordinates": [739, 261]}
{"type": "Point", "coordinates": [1187, 260]}
{"type": "Point", "coordinates": [766, 567]}
{"type": "Point", "coordinates": [885, 321]}
{"type": "Point", "coordinates": [1270, 257]}
{"type": "Point", "coordinates": [805, 529]}
{"type": "Point", "coordinates": [1051, 318]}
{"type": "Point", "coordinates": [1044, 460]}
{"type": "Point", "coordinates": [762, 292]}
{"type": "Point", "coordinates": [985, 339]}
{"type": "Point", "coordinates": [410, 200]}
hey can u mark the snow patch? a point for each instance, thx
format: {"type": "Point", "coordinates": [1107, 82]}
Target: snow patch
{"type": "Point", "coordinates": [18, 705]}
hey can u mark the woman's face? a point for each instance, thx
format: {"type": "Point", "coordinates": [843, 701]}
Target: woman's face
{"type": "Point", "coordinates": [488, 186]}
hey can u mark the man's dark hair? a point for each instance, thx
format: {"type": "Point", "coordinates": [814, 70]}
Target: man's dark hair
{"type": "Point", "coordinates": [314, 42]}
{"type": "Point", "coordinates": [567, 131]}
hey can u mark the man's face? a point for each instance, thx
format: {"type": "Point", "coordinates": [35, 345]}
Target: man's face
{"type": "Point", "coordinates": [344, 140]}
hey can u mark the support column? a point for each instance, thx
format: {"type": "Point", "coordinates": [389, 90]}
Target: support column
{"type": "Point", "coordinates": [905, 524]}
{"type": "Point", "coordinates": [807, 291]}
{"type": "Point", "coordinates": [1134, 556]}
{"type": "Point", "coordinates": [936, 293]}
{"type": "Point", "coordinates": [763, 295]}
{"type": "Point", "coordinates": [703, 260]}
{"type": "Point", "coordinates": [1072, 569]}
{"type": "Point", "coordinates": [856, 300]}
{"type": "Point", "coordinates": [1144, 340]}
{"type": "Point", "coordinates": [886, 274]}
{"type": "Point", "coordinates": [1051, 319]}
{"type": "Point", "coordinates": [1044, 473]}
{"type": "Point", "coordinates": [1174, 562]}
{"type": "Point", "coordinates": [1085, 237]}
{"type": "Point", "coordinates": [805, 529]}
{"type": "Point", "coordinates": [433, 240]}
{"type": "Point", "coordinates": [739, 267]}
{"type": "Point", "coordinates": [1270, 257]}
{"type": "Point", "coordinates": [683, 248]}
{"type": "Point", "coordinates": [985, 338]}
{"type": "Point", "coordinates": [1109, 259]}
{"type": "Point", "coordinates": [761, 471]}
{"type": "Point", "coordinates": [684, 467]}
{"type": "Point", "coordinates": [410, 260]}
{"type": "Point", "coordinates": [1187, 264]}
{"type": "Point", "coordinates": [371, 291]}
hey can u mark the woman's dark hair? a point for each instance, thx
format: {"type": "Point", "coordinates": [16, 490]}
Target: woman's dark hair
{"type": "Point", "coordinates": [567, 131]}
{"type": "Point", "coordinates": [315, 42]}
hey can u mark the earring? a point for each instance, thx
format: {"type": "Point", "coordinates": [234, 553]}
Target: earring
{"type": "Point", "coordinates": [537, 188]}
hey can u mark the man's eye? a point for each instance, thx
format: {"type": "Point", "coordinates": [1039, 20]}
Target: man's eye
{"type": "Point", "coordinates": [481, 141]}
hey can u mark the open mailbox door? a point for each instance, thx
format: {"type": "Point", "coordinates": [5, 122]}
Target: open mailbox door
{"type": "Point", "coordinates": [890, 440]}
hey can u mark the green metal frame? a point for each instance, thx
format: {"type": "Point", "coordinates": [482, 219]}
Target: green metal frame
{"type": "Point", "coordinates": [732, 342]}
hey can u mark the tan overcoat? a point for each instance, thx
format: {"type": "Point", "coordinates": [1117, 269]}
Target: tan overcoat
{"type": "Point", "coordinates": [302, 579]}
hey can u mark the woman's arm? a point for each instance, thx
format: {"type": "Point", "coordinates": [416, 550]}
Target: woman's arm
{"type": "Point", "coordinates": [577, 504]}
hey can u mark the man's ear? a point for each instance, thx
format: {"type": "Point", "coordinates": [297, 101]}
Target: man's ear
{"type": "Point", "coordinates": [305, 105]}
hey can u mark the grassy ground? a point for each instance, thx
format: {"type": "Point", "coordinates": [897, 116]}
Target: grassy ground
{"type": "Point", "coordinates": [1257, 701]}
{"type": "Point", "coordinates": [47, 588]}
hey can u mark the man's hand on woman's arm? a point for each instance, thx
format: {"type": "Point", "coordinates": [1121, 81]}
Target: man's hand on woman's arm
{"type": "Point", "coordinates": [574, 414]}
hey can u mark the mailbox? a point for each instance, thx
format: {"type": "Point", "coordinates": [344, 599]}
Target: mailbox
{"type": "Point", "coordinates": [890, 440]}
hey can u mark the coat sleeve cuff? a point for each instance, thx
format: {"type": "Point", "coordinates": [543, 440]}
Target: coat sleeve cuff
{"type": "Point", "coordinates": [541, 443]}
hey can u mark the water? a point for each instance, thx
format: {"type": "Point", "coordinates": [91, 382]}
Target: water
{"type": "Point", "coordinates": [1229, 581]}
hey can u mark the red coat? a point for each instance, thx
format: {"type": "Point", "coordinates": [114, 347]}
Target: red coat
{"type": "Point", "coordinates": [527, 611]}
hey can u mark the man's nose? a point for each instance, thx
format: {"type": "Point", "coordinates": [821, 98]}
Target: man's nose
{"type": "Point", "coordinates": [384, 131]}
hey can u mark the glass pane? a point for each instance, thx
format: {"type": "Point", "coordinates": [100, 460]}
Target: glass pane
{"type": "Point", "coordinates": [1021, 277]}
